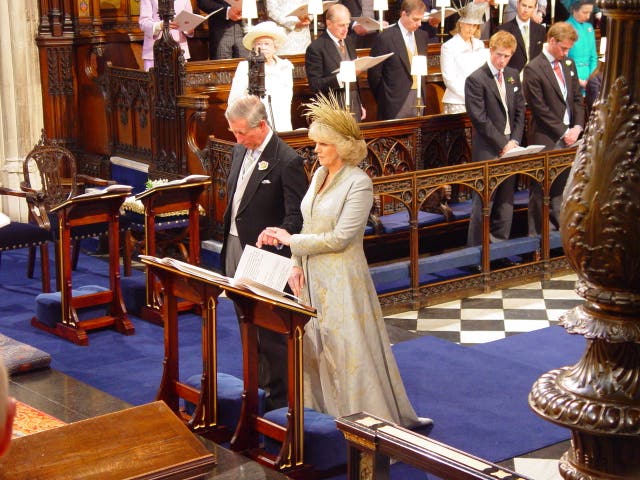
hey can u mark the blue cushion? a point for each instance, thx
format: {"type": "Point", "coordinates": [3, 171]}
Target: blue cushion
{"type": "Point", "coordinates": [461, 257]}
{"type": "Point", "coordinates": [22, 235]}
{"type": "Point", "coordinates": [399, 221]}
{"type": "Point", "coordinates": [126, 175]}
{"type": "Point", "coordinates": [210, 254]}
{"type": "Point", "coordinates": [555, 240]}
{"type": "Point", "coordinates": [513, 247]}
{"type": "Point", "coordinates": [324, 445]}
{"type": "Point", "coordinates": [521, 199]}
{"type": "Point", "coordinates": [461, 210]}
{"type": "Point", "coordinates": [19, 357]}
{"type": "Point", "coordinates": [390, 277]}
{"type": "Point", "coordinates": [134, 293]}
{"type": "Point", "coordinates": [230, 390]}
{"type": "Point", "coordinates": [49, 309]}
{"type": "Point", "coordinates": [162, 222]}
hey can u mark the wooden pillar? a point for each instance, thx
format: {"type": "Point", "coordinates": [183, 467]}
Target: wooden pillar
{"type": "Point", "coordinates": [599, 397]}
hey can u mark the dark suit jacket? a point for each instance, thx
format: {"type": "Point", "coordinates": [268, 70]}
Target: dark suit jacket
{"type": "Point", "coordinates": [218, 23]}
{"type": "Point", "coordinates": [391, 80]}
{"type": "Point", "coordinates": [272, 196]}
{"type": "Point", "coordinates": [537, 36]}
{"type": "Point", "coordinates": [487, 113]}
{"type": "Point", "coordinates": [547, 105]}
{"type": "Point", "coordinates": [321, 59]}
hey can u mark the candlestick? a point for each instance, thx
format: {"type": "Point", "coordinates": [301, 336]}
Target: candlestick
{"type": "Point", "coordinates": [347, 74]}
{"type": "Point", "coordinates": [380, 6]}
{"type": "Point", "coordinates": [249, 10]}
{"type": "Point", "coordinates": [553, 11]}
{"type": "Point", "coordinates": [315, 9]}
{"type": "Point", "coordinates": [419, 68]}
{"type": "Point", "coordinates": [443, 4]}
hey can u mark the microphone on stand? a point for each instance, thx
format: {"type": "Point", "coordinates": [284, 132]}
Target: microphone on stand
{"type": "Point", "coordinates": [256, 80]}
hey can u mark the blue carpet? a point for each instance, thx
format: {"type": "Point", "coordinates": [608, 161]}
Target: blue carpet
{"type": "Point", "coordinates": [476, 396]}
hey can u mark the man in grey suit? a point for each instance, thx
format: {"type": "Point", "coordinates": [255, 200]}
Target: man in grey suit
{"type": "Point", "coordinates": [553, 94]}
{"type": "Point", "coordinates": [393, 86]}
{"type": "Point", "coordinates": [324, 55]}
{"type": "Point", "coordinates": [265, 185]}
{"type": "Point", "coordinates": [495, 105]}
{"type": "Point", "coordinates": [529, 35]}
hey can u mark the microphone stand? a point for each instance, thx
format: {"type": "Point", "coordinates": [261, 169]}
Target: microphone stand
{"type": "Point", "coordinates": [256, 80]}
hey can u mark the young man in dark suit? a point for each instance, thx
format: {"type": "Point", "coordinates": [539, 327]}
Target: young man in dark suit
{"type": "Point", "coordinates": [495, 105]}
{"type": "Point", "coordinates": [324, 55]}
{"type": "Point", "coordinates": [529, 35]}
{"type": "Point", "coordinates": [265, 186]}
{"type": "Point", "coordinates": [553, 94]}
{"type": "Point", "coordinates": [393, 86]}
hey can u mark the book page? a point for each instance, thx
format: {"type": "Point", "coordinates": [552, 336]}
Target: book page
{"type": "Point", "coordinates": [517, 151]}
{"type": "Point", "coordinates": [264, 268]}
{"type": "Point", "coordinates": [437, 13]}
{"type": "Point", "coordinates": [96, 192]}
{"type": "Point", "coordinates": [303, 10]}
{"type": "Point", "coordinates": [187, 21]}
{"type": "Point", "coordinates": [189, 268]}
{"type": "Point", "coordinates": [371, 24]}
{"type": "Point", "coordinates": [365, 63]}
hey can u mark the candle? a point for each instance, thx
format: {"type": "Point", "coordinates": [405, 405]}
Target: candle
{"type": "Point", "coordinates": [553, 11]}
{"type": "Point", "coordinates": [419, 68]}
{"type": "Point", "coordinates": [249, 10]}
{"type": "Point", "coordinates": [500, 10]}
{"type": "Point", "coordinates": [443, 4]}
{"type": "Point", "coordinates": [603, 46]}
{"type": "Point", "coordinates": [315, 9]}
{"type": "Point", "coordinates": [380, 6]}
{"type": "Point", "coordinates": [347, 74]}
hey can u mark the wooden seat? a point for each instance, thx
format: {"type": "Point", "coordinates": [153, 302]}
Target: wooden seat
{"type": "Point", "coordinates": [50, 176]}
{"type": "Point", "coordinates": [27, 235]}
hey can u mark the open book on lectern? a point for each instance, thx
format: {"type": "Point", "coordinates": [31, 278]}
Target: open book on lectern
{"type": "Point", "coordinates": [259, 271]}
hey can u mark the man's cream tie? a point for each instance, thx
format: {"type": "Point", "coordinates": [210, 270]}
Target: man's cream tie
{"type": "Point", "coordinates": [525, 37]}
{"type": "Point", "coordinates": [503, 96]}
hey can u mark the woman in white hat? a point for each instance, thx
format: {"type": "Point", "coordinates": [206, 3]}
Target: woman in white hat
{"type": "Point", "coordinates": [278, 74]}
{"type": "Point", "coordinates": [461, 55]}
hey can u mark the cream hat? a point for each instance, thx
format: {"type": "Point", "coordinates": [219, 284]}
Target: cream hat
{"type": "Point", "coordinates": [473, 13]}
{"type": "Point", "coordinates": [264, 29]}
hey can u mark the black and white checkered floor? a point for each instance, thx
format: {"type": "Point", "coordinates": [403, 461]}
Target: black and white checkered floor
{"type": "Point", "coordinates": [492, 316]}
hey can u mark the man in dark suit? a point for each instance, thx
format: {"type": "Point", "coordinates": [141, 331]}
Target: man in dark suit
{"type": "Point", "coordinates": [392, 84]}
{"type": "Point", "coordinates": [529, 35]}
{"type": "Point", "coordinates": [552, 92]}
{"type": "Point", "coordinates": [324, 55]}
{"type": "Point", "coordinates": [265, 186]}
{"type": "Point", "coordinates": [495, 105]}
{"type": "Point", "coordinates": [225, 30]}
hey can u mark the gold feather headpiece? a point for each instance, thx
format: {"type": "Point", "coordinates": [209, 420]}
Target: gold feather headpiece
{"type": "Point", "coordinates": [326, 110]}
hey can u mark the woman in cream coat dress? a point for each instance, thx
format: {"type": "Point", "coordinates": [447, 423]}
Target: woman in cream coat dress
{"type": "Point", "coordinates": [296, 28]}
{"type": "Point", "coordinates": [348, 363]}
{"type": "Point", "coordinates": [278, 74]}
{"type": "Point", "coordinates": [462, 55]}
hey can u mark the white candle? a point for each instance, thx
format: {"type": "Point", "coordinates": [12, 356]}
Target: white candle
{"type": "Point", "coordinates": [443, 4]}
{"type": "Point", "coordinates": [603, 46]}
{"type": "Point", "coordinates": [347, 74]}
{"type": "Point", "coordinates": [249, 10]}
{"type": "Point", "coordinates": [419, 68]}
{"type": "Point", "coordinates": [553, 10]}
{"type": "Point", "coordinates": [500, 10]}
{"type": "Point", "coordinates": [380, 6]}
{"type": "Point", "coordinates": [315, 9]}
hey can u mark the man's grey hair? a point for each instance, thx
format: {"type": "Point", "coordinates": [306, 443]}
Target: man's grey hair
{"type": "Point", "coordinates": [249, 108]}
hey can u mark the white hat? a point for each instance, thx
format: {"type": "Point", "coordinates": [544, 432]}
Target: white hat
{"type": "Point", "coordinates": [473, 13]}
{"type": "Point", "coordinates": [264, 29]}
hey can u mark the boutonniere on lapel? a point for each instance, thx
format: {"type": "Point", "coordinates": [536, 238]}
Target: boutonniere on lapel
{"type": "Point", "coordinates": [567, 63]}
{"type": "Point", "coordinates": [263, 165]}
{"type": "Point", "coordinates": [510, 80]}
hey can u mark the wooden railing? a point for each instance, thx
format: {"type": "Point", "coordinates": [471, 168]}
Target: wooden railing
{"type": "Point", "coordinates": [373, 441]}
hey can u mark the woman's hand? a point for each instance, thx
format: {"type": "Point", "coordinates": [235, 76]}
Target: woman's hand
{"type": "Point", "coordinates": [296, 281]}
{"type": "Point", "coordinates": [273, 237]}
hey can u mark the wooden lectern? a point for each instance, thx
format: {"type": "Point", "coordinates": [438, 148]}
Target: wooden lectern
{"type": "Point", "coordinates": [86, 209]}
{"type": "Point", "coordinates": [171, 197]}
{"type": "Point", "coordinates": [284, 316]}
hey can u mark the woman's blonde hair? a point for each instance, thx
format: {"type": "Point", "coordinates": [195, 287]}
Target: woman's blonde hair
{"type": "Point", "coordinates": [331, 123]}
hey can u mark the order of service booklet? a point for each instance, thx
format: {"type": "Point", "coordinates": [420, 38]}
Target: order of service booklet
{"type": "Point", "coordinates": [187, 21]}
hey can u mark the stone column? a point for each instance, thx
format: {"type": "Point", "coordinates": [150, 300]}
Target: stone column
{"type": "Point", "coordinates": [599, 397]}
{"type": "Point", "coordinates": [20, 97]}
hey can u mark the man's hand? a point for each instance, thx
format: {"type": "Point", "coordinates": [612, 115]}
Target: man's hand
{"type": "Point", "coordinates": [511, 144]}
{"type": "Point", "coordinates": [537, 17]}
{"type": "Point", "coordinates": [360, 30]}
{"type": "Point", "coordinates": [234, 14]}
{"type": "Point", "coordinates": [572, 135]}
